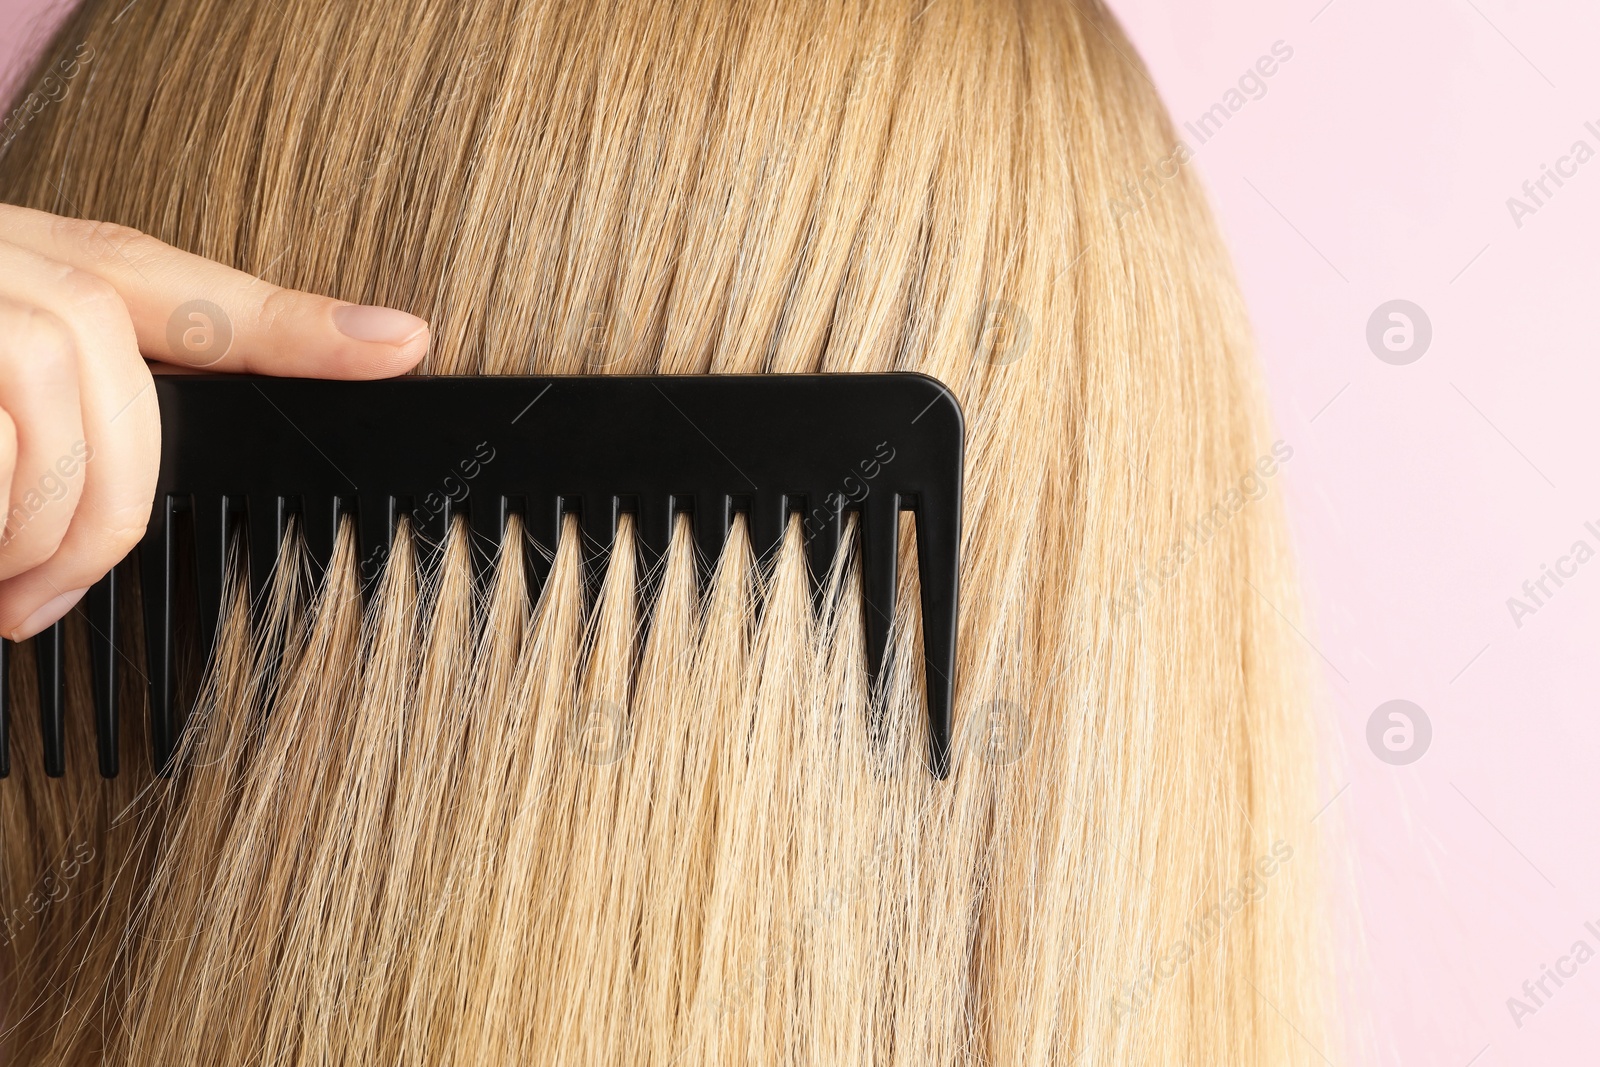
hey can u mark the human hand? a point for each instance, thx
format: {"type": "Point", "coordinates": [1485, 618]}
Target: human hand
{"type": "Point", "coordinates": [83, 305]}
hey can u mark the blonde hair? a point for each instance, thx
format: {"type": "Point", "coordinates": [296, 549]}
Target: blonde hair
{"type": "Point", "coordinates": [669, 821]}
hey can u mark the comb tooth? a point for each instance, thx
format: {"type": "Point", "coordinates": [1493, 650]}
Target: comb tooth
{"type": "Point", "coordinates": [880, 540]}
{"type": "Point", "coordinates": [155, 563]}
{"type": "Point", "coordinates": [211, 562]}
{"type": "Point", "coordinates": [320, 523]}
{"type": "Point", "coordinates": [102, 605]}
{"type": "Point", "coordinates": [939, 574]}
{"type": "Point", "coordinates": [767, 515]}
{"type": "Point", "coordinates": [264, 515]}
{"type": "Point", "coordinates": [374, 535]}
{"type": "Point", "coordinates": [821, 526]}
{"type": "Point", "coordinates": [652, 526]}
{"type": "Point", "coordinates": [543, 519]}
{"type": "Point", "coordinates": [49, 650]}
{"type": "Point", "coordinates": [711, 524]}
{"type": "Point", "coordinates": [598, 517]}
{"type": "Point", "coordinates": [486, 516]}
{"type": "Point", "coordinates": [518, 505]}
{"type": "Point", "coordinates": [430, 522]}
{"type": "Point", "coordinates": [5, 709]}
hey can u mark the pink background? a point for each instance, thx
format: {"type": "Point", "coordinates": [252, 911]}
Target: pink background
{"type": "Point", "coordinates": [1376, 166]}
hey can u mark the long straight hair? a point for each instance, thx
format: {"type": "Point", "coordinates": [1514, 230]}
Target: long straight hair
{"type": "Point", "coordinates": [661, 817]}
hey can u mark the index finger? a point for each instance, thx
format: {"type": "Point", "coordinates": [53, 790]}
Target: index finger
{"type": "Point", "coordinates": [190, 311]}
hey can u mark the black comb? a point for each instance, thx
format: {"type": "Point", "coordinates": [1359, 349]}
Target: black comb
{"type": "Point", "coordinates": [256, 451]}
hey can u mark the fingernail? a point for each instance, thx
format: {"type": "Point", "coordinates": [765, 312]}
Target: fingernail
{"type": "Point", "coordinates": [50, 613]}
{"type": "Point", "coordinates": [384, 326]}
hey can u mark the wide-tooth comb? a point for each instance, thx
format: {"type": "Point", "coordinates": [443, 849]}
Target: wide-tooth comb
{"type": "Point", "coordinates": [257, 451]}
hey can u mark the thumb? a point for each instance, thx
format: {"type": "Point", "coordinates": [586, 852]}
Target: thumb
{"type": "Point", "coordinates": [190, 311]}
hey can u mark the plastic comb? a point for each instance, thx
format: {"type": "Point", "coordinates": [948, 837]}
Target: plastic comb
{"type": "Point", "coordinates": [252, 452]}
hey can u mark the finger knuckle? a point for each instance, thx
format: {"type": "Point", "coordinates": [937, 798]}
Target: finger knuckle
{"type": "Point", "coordinates": [101, 240]}
{"type": "Point", "coordinates": [29, 544]}
{"type": "Point", "coordinates": [88, 293]}
{"type": "Point", "coordinates": [8, 446]}
{"type": "Point", "coordinates": [121, 534]}
{"type": "Point", "coordinates": [277, 307]}
{"type": "Point", "coordinates": [47, 342]}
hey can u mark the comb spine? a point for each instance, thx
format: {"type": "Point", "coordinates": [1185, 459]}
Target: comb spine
{"type": "Point", "coordinates": [102, 605]}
